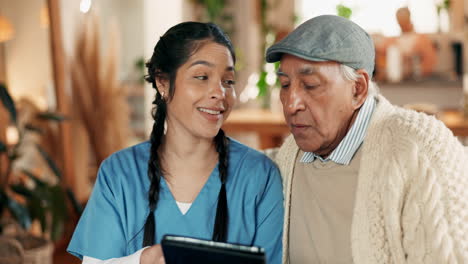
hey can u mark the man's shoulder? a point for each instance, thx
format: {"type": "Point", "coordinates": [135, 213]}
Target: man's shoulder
{"type": "Point", "coordinates": [288, 148]}
{"type": "Point", "coordinates": [406, 127]}
{"type": "Point", "coordinates": [416, 124]}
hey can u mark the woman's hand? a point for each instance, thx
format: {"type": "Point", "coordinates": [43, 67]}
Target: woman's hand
{"type": "Point", "coordinates": [152, 255]}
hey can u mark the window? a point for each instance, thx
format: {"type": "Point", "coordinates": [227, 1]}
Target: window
{"type": "Point", "coordinates": [379, 16]}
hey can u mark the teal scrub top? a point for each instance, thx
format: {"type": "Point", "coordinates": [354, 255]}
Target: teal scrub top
{"type": "Point", "coordinates": [112, 223]}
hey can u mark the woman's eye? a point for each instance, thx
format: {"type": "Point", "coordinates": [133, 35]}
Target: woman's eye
{"type": "Point", "coordinates": [201, 77]}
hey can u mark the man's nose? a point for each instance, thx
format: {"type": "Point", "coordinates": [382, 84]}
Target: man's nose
{"type": "Point", "coordinates": [295, 100]}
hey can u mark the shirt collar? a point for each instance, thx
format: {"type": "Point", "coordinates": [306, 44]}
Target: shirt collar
{"type": "Point", "coordinates": [345, 151]}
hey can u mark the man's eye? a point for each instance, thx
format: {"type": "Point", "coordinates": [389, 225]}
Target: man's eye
{"type": "Point", "coordinates": [284, 85]}
{"type": "Point", "coordinates": [230, 82]}
{"type": "Point", "coordinates": [202, 77]}
{"type": "Point", "coordinates": [310, 87]}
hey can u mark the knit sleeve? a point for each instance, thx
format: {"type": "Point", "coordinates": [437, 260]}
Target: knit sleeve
{"type": "Point", "coordinates": [435, 214]}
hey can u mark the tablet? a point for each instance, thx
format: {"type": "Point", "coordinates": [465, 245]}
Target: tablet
{"type": "Point", "coordinates": [178, 249]}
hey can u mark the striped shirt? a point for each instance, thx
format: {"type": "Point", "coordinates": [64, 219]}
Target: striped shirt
{"type": "Point", "coordinates": [353, 139]}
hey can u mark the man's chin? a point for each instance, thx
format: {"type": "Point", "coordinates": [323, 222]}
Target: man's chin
{"type": "Point", "coordinates": [305, 144]}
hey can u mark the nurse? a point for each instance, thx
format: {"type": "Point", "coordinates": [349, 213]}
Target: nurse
{"type": "Point", "coordinates": [189, 179]}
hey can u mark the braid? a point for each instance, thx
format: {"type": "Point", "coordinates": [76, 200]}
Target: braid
{"type": "Point", "coordinates": [222, 217]}
{"type": "Point", "coordinates": [154, 169]}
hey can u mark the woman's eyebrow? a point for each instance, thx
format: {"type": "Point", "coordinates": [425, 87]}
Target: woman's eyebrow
{"type": "Point", "coordinates": [209, 64]}
{"type": "Point", "coordinates": [202, 62]}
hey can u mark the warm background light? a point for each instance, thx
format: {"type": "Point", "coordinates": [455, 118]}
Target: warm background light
{"type": "Point", "coordinates": [85, 5]}
{"type": "Point", "coordinates": [12, 136]}
{"type": "Point", "coordinates": [6, 29]}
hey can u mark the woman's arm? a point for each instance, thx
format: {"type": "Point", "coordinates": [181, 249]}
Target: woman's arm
{"type": "Point", "coordinates": [146, 255]}
{"type": "Point", "coordinates": [270, 213]}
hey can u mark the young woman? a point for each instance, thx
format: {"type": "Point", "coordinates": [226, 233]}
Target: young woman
{"type": "Point", "coordinates": [189, 179]}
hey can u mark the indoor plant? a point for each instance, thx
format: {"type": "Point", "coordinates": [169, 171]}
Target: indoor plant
{"type": "Point", "coordinates": [25, 193]}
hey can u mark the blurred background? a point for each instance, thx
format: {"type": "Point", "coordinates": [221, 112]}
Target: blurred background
{"type": "Point", "coordinates": [72, 89]}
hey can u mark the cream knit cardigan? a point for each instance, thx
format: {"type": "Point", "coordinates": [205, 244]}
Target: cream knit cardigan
{"type": "Point", "coordinates": [412, 195]}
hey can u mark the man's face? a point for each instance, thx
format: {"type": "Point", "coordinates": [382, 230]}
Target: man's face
{"type": "Point", "coordinates": [317, 103]}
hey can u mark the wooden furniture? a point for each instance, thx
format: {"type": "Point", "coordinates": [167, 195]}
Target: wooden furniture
{"type": "Point", "coordinates": [455, 121]}
{"type": "Point", "coordinates": [270, 127]}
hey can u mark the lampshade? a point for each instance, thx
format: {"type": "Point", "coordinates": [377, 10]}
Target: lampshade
{"type": "Point", "coordinates": [6, 29]}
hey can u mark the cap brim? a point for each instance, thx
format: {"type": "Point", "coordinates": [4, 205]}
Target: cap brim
{"type": "Point", "coordinates": [275, 54]}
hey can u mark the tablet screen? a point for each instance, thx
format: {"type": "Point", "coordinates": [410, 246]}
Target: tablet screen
{"type": "Point", "coordinates": [178, 249]}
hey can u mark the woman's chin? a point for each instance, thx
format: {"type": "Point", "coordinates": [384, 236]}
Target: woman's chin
{"type": "Point", "coordinates": [209, 133]}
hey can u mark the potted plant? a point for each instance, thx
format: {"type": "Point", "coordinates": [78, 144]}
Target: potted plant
{"type": "Point", "coordinates": [31, 190]}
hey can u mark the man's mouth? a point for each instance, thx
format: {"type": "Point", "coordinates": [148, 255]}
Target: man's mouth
{"type": "Point", "coordinates": [299, 125]}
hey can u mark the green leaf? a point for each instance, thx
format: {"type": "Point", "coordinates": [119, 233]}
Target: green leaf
{"type": "Point", "coordinates": [38, 210]}
{"type": "Point", "coordinates": [262, 84]}
{"type": "Point", "coordinates": [49, 161]}
{"type": "Point", "coordinates": [8, 102]}
{"type": "Point", "coordinates": [36, 179]}
{"type": "Point", "coordinates": [20, 189]}
{"type": "Point", "coordinates": [140, 64]}
{"type": "Point", "coordinates": [57, 229]}
{"type": "Point", "coordinates": [277, 83]}
{"type": "Point", "coordinates": [3, 147]}
{"type": "Point", "coordinates": [59, 211]}
{"type": "Point", "coordinates": [446, 4]}
{"type": "Point", "coordinates": [75, 204]}
{"type": "Point", "coordinates": [18, 211]}
{"type": "Point", "coordinates": [344, 11]}
{"type": "Point", "coordinates": [51, 116]}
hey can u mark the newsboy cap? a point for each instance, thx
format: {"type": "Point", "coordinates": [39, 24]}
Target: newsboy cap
{"type": "Point", "coordinates": [328, 38]}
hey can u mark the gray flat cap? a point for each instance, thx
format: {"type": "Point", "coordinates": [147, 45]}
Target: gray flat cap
{"type": "Point", "coordinates": [328, 38]}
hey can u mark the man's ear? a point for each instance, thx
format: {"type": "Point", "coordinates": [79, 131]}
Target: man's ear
{"type": "Point", "coordinates": [360, 88]}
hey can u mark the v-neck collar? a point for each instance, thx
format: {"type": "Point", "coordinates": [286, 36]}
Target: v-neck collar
{"type": "Point", "coordinates": [207, 196]}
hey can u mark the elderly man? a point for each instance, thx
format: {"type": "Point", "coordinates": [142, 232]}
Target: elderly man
{"type": "Point", "coordinates": [364, 181]}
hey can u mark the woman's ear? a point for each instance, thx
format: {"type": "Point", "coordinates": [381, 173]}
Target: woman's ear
{"type": "Point", "coordinates": [162, 85]}
{"type": "Point", "coordinates": [360, 89]}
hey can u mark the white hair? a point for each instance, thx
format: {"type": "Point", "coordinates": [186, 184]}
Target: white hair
{"type": "Point", "coordinates": [350, 74]}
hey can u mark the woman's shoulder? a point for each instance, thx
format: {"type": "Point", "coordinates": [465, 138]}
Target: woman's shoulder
{"type": "Point", "coordinates": [246, 160]}
{"type": "Point", "coordinates": [252, 169]}
{"type": "Point", "coordinates": [126, 167]}
{"type": "Point", "coordinates": [138, 152]}
{"type": "Point", "coordinates": [242, 152]}
{"type": "Point", "coordinates": [126, 163]}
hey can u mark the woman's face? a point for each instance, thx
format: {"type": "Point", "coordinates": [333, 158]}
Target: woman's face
{"type": "Point", "coordinates": [204, 93]}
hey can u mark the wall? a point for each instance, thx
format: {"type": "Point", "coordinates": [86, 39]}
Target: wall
{"type": "Point", "coordinates": [446, 95]}
{"type": "Point", "coordinates": [127, 15]}
{"type": "Point", "coordinates": [158, 17]}
{"type": "Point", "coordinates": [27, 55]}
{"type": "Point", "coordinates": [246, 40]}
